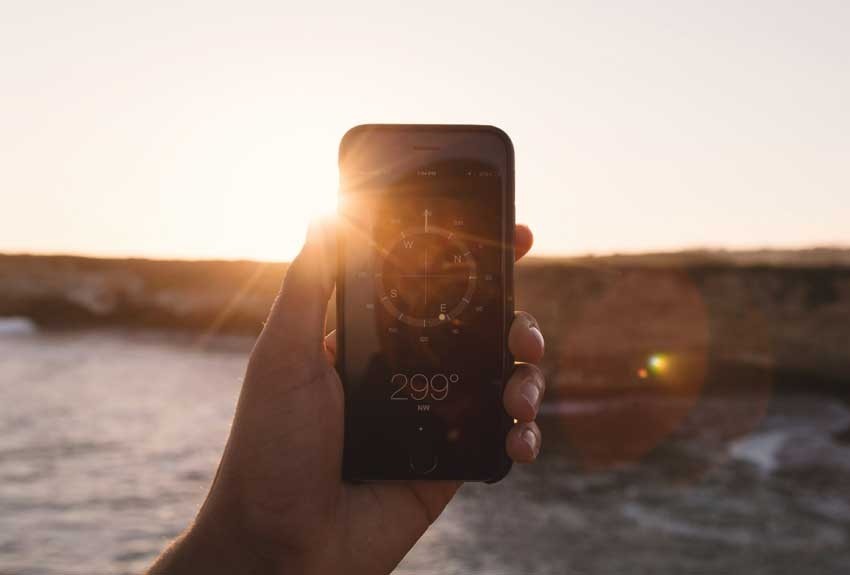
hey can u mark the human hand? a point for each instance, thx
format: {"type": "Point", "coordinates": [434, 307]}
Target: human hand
{"type": "Point", "coordinates": [278, 503]}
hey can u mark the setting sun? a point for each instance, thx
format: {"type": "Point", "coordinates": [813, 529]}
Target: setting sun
{"type": "Point", "coordinates": [273, 208]}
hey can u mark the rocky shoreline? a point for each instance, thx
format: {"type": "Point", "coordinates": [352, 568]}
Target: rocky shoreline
{"type": "Point", "coordinates": [777, 312]}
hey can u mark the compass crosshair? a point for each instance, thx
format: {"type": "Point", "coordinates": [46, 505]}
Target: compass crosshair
{"type": "Point", "coordinates": [427, 275]}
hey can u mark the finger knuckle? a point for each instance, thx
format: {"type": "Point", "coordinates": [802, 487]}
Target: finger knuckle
{"type": "Point", "coordinates": [529, 370]}
{"type": "Point", "coordinates": [526, 318]}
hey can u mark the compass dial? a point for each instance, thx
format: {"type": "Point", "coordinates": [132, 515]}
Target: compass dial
{"type": "Point", "coordinates": [427, 276]}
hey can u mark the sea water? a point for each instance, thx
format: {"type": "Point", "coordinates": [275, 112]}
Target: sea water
{"type": "Point", "coordinates": [109, 439]}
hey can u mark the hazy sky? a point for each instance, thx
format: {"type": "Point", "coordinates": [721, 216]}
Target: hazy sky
{"type": "Point", "coordinates": [200, 129]}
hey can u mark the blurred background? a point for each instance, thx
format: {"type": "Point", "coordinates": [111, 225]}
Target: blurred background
{"type": "Point", "coordinates": [683, 166]}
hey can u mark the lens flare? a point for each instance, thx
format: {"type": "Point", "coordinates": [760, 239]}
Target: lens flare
{"type": "Point", "coordinates": [658, 363]}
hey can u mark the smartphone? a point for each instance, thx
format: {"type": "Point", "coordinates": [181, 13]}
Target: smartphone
{"type": "Point", "coordinates": [425, 300]}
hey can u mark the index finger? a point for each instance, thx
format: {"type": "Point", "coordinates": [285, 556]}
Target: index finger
{"type": "Point", "coordinates": [523, 240]}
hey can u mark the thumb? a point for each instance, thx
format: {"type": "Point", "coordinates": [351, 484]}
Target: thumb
{"type": "Point", "coordinates": [296, 323]}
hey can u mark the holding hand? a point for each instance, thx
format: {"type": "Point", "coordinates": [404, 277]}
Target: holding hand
{"type": "Point", "coordinates": [278, 503]}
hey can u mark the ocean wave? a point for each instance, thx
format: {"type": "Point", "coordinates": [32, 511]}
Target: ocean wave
{"type": "Point", "coordinates": [17, 326]}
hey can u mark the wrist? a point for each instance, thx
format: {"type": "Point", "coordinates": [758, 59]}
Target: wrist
{"type": "Point", "coordinates": [211, 547]}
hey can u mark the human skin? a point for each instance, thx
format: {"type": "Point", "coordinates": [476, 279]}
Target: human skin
{"type": "Point", "coordinates": [278, 503]}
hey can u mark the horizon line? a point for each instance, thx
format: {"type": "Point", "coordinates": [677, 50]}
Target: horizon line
{"type": "Point", "coordinates": [694, 250]}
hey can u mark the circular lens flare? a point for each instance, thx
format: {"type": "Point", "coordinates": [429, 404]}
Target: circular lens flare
{"type": "Point", "coordinates": [658, 363]}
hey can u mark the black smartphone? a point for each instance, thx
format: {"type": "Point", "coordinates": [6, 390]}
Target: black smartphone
{"type": "Point", "coordinates": [425, 300]}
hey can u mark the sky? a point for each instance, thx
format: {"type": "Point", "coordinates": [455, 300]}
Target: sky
{"type": "Point", "coordinates": [210, 130]}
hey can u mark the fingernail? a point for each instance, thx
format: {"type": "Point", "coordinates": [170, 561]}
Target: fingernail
{"type": "Point", "coordinates": [539, 337]}
{"type": "Point", "coordinates": [531, 392]}
{"type": "Point", "coordinates": [530, 439]}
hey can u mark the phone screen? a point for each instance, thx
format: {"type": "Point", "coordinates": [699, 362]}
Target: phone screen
{"type": "Point", "coordinates": [426, 252]}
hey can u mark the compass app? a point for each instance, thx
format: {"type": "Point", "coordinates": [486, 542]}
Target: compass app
{"type": "Point", "coordinates": [424, 252]}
